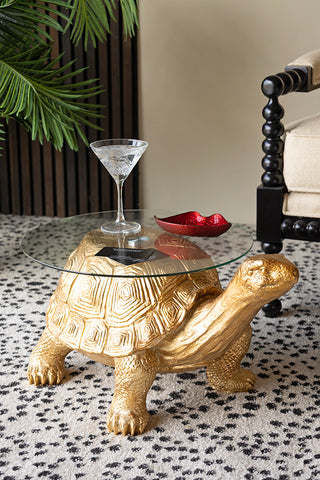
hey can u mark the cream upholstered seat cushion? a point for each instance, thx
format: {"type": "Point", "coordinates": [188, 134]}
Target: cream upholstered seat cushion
{"type": "Point", "coordinates": [301, 167]}
{"type": "Point", "coordinates": [301, 157]}
{"type": "Point", "coordinates": [301, 204]}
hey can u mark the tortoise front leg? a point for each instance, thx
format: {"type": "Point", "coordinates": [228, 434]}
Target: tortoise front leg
{"type": "Point", "coordinates": [46, 363]}
{"type": "Point", "coordinates": [134, 376]}
{"type": "Point", "coordinates": [225, 373]}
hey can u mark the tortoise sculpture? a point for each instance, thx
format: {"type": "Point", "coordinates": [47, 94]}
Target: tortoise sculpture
{"type": "Point", "coordinates": [149, 325]}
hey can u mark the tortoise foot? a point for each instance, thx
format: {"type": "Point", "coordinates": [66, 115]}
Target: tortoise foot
{"type": "Point", "coordinates": [46, 365]}
{"type": "Point", "coordinates": [134, 376]}
{"type": "Point", "coordinates": [241, 381]}
{"type": "Point", "coordinates": [225, 374]}
{"type": "Point", "coordinates": [40, 373]}
{"type": "Point", "coordinates": [127, 422]}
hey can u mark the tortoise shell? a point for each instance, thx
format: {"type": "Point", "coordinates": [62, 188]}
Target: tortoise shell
{"type": "Point", "coordinates": [116, 315]}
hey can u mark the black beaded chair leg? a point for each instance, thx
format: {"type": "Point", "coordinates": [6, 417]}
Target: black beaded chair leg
{"type": "Point", "coordinates": [272, 309]}
{"type": "Point", "coordinates": [269, 247]}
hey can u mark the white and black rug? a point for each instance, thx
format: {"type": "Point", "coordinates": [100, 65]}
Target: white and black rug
{"type": "Point", "coordinates": [59, 432]}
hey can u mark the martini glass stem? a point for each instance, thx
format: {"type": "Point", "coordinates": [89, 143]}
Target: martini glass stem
{"type": "Point", "coordinates": [120, 215]}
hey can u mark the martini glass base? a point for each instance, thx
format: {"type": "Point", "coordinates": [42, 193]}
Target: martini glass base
{"type": "Point", "coordinates": [121, 227]}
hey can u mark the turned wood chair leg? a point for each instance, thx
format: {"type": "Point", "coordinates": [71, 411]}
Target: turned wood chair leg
{"type": "Point", "coordinates": [272, 309]}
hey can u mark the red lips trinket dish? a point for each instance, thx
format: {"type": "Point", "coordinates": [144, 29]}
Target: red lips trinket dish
{"type": "Point", "coordinates": [194, 225]}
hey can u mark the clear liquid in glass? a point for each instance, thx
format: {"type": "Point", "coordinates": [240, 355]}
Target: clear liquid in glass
{"type": "Point", "coordinates": [119, 156]}
{"type": "Point", "coordinates": [119, 161]}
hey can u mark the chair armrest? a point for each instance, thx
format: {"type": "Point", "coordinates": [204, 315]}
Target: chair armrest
{"type": "Point", "coordinates": [310, 63]}
{"type": "Point", "coordinates": [302, 75]}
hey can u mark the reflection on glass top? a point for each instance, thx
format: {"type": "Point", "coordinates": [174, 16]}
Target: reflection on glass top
{"type": "Point", "coordinates": [77, 244]}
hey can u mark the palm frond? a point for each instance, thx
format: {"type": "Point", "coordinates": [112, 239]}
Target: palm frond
{"type": "Point", "coordinates": [90, 19]}
{"type": "Point", "coordinates": [33, 90]}
{"type": "Point", "coordinates": [129, 10]}
{"type": "Point", "coordinates": [2, 133]}
{"type": "Point", "coordinates": [6, 3]}
{"type": "Point", "coordinates": [28, 22]}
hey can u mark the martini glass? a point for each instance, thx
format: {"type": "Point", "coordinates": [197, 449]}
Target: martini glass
{"type": "Point", "coordinates": [119, 156]}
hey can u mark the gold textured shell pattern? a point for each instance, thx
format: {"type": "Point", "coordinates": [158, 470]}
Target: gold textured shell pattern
{"type": "Point", "coordinates": [117, 316]}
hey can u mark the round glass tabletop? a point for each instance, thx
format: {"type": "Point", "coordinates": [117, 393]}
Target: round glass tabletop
{"type": "Point", "coordinates": [73, 244]}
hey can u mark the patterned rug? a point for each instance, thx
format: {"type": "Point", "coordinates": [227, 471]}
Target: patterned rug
{"type": "Point", "coordinates": [59, 432]}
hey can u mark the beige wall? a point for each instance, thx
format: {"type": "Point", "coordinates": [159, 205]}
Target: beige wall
{"type": "Point", "coordinates": [201, 66]}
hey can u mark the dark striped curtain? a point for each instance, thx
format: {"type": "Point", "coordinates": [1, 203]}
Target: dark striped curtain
{"type": "Point", "coordinates": [37, 180]}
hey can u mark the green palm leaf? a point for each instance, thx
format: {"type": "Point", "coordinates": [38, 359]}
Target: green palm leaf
{"type": "Point", "coordinates": [27, 22]}
{"type": "Point", "coordinates": [130, 16]}
{"type": "Point", "coordinates": [33, 90]}
{"type": "Point", "coordinates": [90, 19]}
{"type": "Point", "coordinates": [1, 134]}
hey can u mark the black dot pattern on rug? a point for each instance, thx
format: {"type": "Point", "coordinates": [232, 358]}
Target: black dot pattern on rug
{"type": "Point", "coordinates": [59, 432]}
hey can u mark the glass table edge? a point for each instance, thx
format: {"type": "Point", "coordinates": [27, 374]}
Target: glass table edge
{"type": "Point", "coordinates": [203, 269]}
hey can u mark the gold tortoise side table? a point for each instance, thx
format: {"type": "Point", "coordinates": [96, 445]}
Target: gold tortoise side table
{"type": "Point", "coordinates": [150, 303]}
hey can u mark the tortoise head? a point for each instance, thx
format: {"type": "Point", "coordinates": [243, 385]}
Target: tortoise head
{"type": "Point", "coordinates": [267, 276]}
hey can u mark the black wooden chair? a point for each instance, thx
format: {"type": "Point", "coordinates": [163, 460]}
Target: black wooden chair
{"type": "Point", "coordinates": [288, 200]}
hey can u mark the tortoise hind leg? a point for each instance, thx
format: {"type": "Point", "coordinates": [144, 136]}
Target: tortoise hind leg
{"type": "Point", "coordinates": [134, 376]}
{"type": "Point", "coordinates": [46, 363]}
{"type": "Point", "coordinates": [225, 373]}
